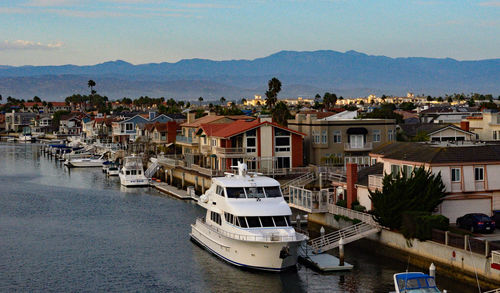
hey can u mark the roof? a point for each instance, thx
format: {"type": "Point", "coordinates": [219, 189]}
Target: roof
{"type": "Point", "coordinates": [428, 128]}
{"type": "Point", "coordinates": [212, 118]}
{"type": "Point", "coordinates": [226, 130]}
{"type": "Point", "coordinates": [376, 169]}
{"type": "Point", "coordinates": [319, 115]}
{"type": "Point", "coordinates": [437, 154]}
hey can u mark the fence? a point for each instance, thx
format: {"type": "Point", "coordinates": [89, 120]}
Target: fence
{"type": "Point", "coordinates": [465, 242]}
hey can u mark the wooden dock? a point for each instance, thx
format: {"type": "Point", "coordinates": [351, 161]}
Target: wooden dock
{"type": "Point", "coordinates": [171, 190]}
{"type": "Point", "coordinates": [323, 262]}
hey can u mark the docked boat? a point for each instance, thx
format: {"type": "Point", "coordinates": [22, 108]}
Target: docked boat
{"type": "Point", "coordinates": [85, 162]}
{"type": "Point", "coordinates": [132, 172]}
{"type": "Point", "coordinates": [248, 222]}
{"type": "Point", "coordinates": [415, 282]}
{"type": "Point", "coordinates": [113, 170]}
{"type": "Point", "coordinates": [25, 138]}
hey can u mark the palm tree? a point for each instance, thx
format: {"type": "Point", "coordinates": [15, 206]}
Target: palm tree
{"type": "Point", "coordinates": [200, 99]}
{"type": "Point", "coordinates": [91, 85]}
{"type": "Point", "coordinates": [222, 101]}
{"type": "Point", "coordinates": [281, 113]}
{"type": "Point", "coordinates": [272, 93]}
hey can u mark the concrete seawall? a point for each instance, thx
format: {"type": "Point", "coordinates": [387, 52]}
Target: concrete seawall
{"type": "Point", "coordinates": [451, 261]}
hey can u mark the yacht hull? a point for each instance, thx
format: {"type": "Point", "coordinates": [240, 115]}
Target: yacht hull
{"type": "Point", "coordinates": [84, 164]}
{"type": "Point", "coordinates": [133, 182]}
{"type": "Point", "coordinates": [268, 256]}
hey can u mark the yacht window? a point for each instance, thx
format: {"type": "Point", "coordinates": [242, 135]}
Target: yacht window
{"type": "Point", "coordinates": [219, 190]}
{"type": "Point", "coordinates": [253, 222]}
{"type": "Point", "coordinates": [215, 217]}
{"type": "Point", "coordinates": [273, 191]}
{"type": "Point", "coordinates": [255, 192]}
{"type": "Point", "coordinates": [280, 221]}
{"type": "Point", "coordinates": [235, 192]}
{"type": "Point", "coordinates": [267, 221]}
{"type": "Point", "coordinates": [289, 220]}
{"type": "Point", "coordinates": [242, 222]}
{"type": "Point", "coordinates": [139, 172]}
{"type": "Point", "coordinates": [127, 172]}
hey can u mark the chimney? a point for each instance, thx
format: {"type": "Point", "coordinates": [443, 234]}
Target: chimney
{"type": "Point", "coordinates": [191, 116]}
{"type": "Point", "coordinates": [352, 179]}
{"type": "Point", "coordinates": [464, 125]}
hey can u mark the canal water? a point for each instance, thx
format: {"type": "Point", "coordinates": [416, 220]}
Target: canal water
{"type": "Point", "coordinates": [76, 230]}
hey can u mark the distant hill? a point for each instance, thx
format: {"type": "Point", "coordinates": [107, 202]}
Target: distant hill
{"type": "Point", "coordinates": [301, 73]}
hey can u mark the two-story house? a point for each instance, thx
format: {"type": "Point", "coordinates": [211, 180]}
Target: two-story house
{"type": "Point", "coordinates": [341, 138]}
{"type": "Point", "coordinates": [42, 124]}
{"type": "Point", "coordinates": [124, 130]}
{"type": "Point", "coordinates": [469, 172]}
{"type": "Point", "coordinates": [486, 125]}
{"type": "Point", "coordinates": [260, 143]}
{"type": "Point", "coordinates": [16, 121]}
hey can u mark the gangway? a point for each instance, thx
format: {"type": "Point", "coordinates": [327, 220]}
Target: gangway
{"type": "Point", "coordinates": [302, 180]}
{"type": "Point", "coordinates": [348, 234]}
{"type": "Point", "coordinates": [152, 169]}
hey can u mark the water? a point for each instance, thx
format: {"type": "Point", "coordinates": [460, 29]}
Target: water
{"type": "Point", "coordinates": [76, 230]}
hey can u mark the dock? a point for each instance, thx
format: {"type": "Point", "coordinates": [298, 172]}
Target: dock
{"type": "Point", "coordinates": [171, 190]}
{"type": "Point", "coordinates": [323, 262]}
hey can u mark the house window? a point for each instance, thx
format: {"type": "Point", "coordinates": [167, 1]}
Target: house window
{"type": "Point", "coordinates": [324, 137]}
{"type": "Point", "coordinates": [283, 162]}
{"type": "Point", "coordinates": [129, 126]}
{"type": "Point", "coordinates": [390, 135]}
{"type": "Point", "coordinates": [315, 136]}
{"type": "Point", "coordinates": [282, 141]}
{"type": "Point", "coordinates": [376, 135]}
{"type": "Point", "coordinates": [495, 135]}
{"type": "Point", "coordinates": [395, 170]}
{"type": "Point", "coordinates": [479, 173]}
{"type": "Point", "coordinates": [407, 169]}
{"type": "Point", "coordinates": [214, 142]}
{"type": "Point", "coordinates": [251, 141]}
{"type": "Point", "coordinates": [455, 174]}
{"type": "Point", "coordinates": [337, 136]}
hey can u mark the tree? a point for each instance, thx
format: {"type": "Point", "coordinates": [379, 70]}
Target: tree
{"type": "Point", "coordinates": [200, 99]}
{"type": "Point", "coordinates": [450, 100]}
{"type": "Point", "coordinates": [243, 101]}
{"type": "Point", "coordinates": [36, 99]}
{"type": "Point", "coordinates": [329, 100]}
{"type": "Point", "coordinates": [272, 93]}
{"type": "Point", "coordinates": [50, 106]}
{"type": "Point", "coordinates": [1, 97]}
{"type": "Point", "coordinates": [222, 101]}
{"type": "Point", "coordinates": [407, 106]}
{"type": "Point", "coordinates": [281, 113]}
{"type": "Point", "coordinates": [419, 191]}
{"type": "Point", "coordinates": [91, 85]}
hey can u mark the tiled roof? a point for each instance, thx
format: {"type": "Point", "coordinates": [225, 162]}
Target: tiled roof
{"type": "Point", "coordinates": [226, 130]}
{"type": "Point", "coordinates": [427, 153]}
{"type": "Point", "coordinates": [211, 118]}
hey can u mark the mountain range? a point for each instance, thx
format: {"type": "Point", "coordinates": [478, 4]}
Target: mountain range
{"type": "Point", "coordinates": [301, 73]}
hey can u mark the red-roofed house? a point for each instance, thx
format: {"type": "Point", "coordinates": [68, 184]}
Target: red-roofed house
{"type": "Point", "coordinates": [263, 145]}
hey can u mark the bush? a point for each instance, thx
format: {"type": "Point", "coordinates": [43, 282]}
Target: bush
{"type": "Point", "coordinates": [359, 208]}
{"type": "Point", "coordinates": [342, 203]}
{"type": "Point", "coordinates": [420, 224]}
{"type": "Point", "coordinates": [439, 222]}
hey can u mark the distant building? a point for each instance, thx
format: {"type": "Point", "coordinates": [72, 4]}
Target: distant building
{"type": "Point", "coordinates": [16, 121]}
{"type": "Point", "coordinates": [486, 125]}
{"type": "Point", "coordinates": [257, 101]}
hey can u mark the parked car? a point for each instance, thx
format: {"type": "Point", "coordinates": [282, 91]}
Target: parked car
{"type": "Point", "coordinates": [476, 223]}
{"type": "Point", "coordinates": [496, 217]}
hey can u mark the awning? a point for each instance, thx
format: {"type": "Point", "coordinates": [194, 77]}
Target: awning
{"type": "Point", "coordinates": [357, 130]}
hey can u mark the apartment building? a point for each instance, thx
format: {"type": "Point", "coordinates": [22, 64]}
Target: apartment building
{"type": "Point", "coordinates": [341, 138]}
{"type": "Point", "coordinates": [486, 125]}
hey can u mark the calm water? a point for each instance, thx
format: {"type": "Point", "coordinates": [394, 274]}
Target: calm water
{"type": "Point", "coordinates": [76, 230]}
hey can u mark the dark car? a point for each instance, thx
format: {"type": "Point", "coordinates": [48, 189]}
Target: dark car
{"type": "Point", "coordinates": [496, 217]}
{"type": "Point", "coordinates": [476, 223]}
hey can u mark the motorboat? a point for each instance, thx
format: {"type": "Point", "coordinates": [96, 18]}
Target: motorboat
{"type": "Point", "coordinates": [85, 162]}
{"type": "Point", "coordinates": [105, 166]}
{"type": "Point", "coordinates": [113, 170]}
{"type": "Point", "coordinates": [25, 138]}
{"type": "Point", "coordinates": [132, 172]}
{"type": "Point", "coordinates": [415, 282]}
{"type": "Point", "coordinates": [248, 222]}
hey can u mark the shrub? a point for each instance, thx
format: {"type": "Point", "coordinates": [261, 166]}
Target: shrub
{"type": "Point", "coordinates": [358, 208]}
{"type": "Point", "coordinates": [420, 224]}
{"type": "Point", "coordinates": [342, 203]}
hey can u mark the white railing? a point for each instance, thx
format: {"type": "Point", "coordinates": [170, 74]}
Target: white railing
{"type": "Point", "coordinates": [299, 181]}
{"type": "Point", "coordinates": [363, 217]}
{"type": "Point", "coordinates": [229, 151]}
{"type": "Point", "coordinates": [358, 147]}
{"type": "Point", "coordinates": [310, 201]}
{"type": "Point", "coordinates": [495, 256]}
{"type": "Point", "coordinates": [348, 234]}
{"type": "Point", "coordinates": [271, 237]}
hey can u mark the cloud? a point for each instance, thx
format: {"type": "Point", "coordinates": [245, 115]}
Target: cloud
{"type": "Point", "coordinates": [50, 3]}
{"type": "Point", "coordinates": [490, 4]}
{"type": "Point", "coordinates": [29, 45]}
{"type": "Point", "coordinates": [206, 5]}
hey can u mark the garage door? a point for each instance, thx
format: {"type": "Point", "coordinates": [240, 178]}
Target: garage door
{"type": "Point", "coordinates": [452, 209]}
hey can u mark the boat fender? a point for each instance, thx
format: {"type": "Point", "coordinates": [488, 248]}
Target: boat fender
{"type": "Point", "coordinates": [204, 198]}
{"type": "Point", "coordinates": [285, 252]}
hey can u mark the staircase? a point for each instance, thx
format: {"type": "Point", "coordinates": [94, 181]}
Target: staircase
{"type": "Point", "coordinates": [302, 180]}
{"type": "Point", "coordinates": [348, 234]}
{"type": "Point", "coordinates": [152, 169]}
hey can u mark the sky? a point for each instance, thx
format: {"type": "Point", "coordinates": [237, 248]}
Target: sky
{"type": "Point", "coordinates": [85, 32]}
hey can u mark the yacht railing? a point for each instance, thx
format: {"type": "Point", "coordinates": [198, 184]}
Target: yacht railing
{"type": "Point", "coordinates": [257, 238]}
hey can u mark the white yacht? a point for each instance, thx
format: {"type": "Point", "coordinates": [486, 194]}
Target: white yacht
{"type": "Point", "coordinates": [248, 222]}
{"type": "Point", "coordinates": [112, 171]}
{"type": "Point", "coordinates": [132, 172]}
{"type": "Point", "coordinates": [85, 162]}
{"type": "Point", "coordinates": [25, 138]}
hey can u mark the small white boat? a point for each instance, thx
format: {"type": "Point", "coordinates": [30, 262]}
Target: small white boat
{"type": "Point", "coordinates": [25, 138]}
{"type": "Point", "coordinates": [247, 223]}
{"type": "Point", "coordinates": [132, 172]}
{"type": "Point", "coordinates": [415, 282]}
{"type": "Point", "coordinates": [113, 171]}
{"type": "Point", "coordinates": [85, 162]}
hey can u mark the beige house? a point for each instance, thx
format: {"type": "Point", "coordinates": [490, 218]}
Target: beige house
{"type": "Point", "coordinates": [469, 173]}
{"type": "Point", "coordinates": [487, 125]}
{"type": "Point", "coordinates": [338, 139]}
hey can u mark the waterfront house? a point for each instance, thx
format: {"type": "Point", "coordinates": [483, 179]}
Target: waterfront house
{"type": "Point", "coordinates": [2, 122]}
{"type": "Point", "coordinates": [16, 121]}
{"type": "Point", "coordinates": [260, 143]}
{"type": "Point", "coordinates": [71, 124]}
{"type": "Point", "coordinates": [469, 171]}
{"type": "Point", "coordinates": [42, 124]}
{"type": "Point", "coordinates": [125, 127]}
{"type": "Point", "coordinates": [341, 138]}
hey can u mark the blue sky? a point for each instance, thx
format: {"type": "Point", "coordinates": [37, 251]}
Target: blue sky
{"type": "Point", "coordinates": [53, 32]}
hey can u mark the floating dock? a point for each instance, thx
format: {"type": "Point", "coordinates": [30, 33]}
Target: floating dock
{"type": "Point", "coordinates": [171, 190]}
{"type": "Point", "coordinates": [322, 261]}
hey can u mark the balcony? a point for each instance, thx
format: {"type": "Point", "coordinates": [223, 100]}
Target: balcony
{"type": "Point", "coordinates": [375, 182]}
{"type": "Point", "coordinates": [310, 201]}
{"type": "Point", "coordinates": [358, 147]}
{"type": "Point", "coordinates": [230, 152]}
{"type": "Point", "coordinates": [206, 149]}
{"type": "Point", "coordinates": [186, 141]}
